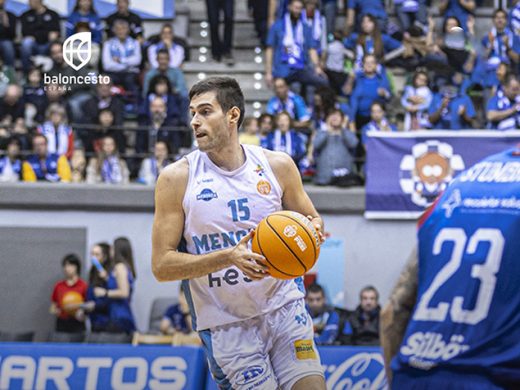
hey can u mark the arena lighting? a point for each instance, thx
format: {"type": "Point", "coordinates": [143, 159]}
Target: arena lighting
{"type": "Point", "coordinates": [258, 50]}
{"type": "Point", "coordinates": [202, 58]}
{"type": "Point", "coordinates": [258, 76]}
{"type": "Point", "coordinates": [201, 76]}
{"type": "Point", "coordinates": [203, 33]}
{"type": "Point", "coordinates": [258, 85]}
{"type": "Point", "coordinates": [203, 50]}
{"type": "Point", "coordinates": [203, 24]}
{"type": "Point", "coordinates": [258, 59]}
{"type": "Point", "coordinates": [257, 105]}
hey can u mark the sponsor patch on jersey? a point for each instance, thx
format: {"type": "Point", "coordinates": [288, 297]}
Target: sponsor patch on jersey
{"type": "Point", "coordinates": [260, 170]}
{"type": "Point", "coordinates": [251, 374]}
{"type": "Point", "coordinates": [206, 195]}
{"type": "Point", "coordinates": [304, 349]}
{"type": "Point", "coordinates": [263, 187]}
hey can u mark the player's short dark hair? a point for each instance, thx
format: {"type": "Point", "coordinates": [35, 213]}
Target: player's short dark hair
{"type": "Point", "coordinates": [369, 288]}
{"type": "Point", "coordinates": [227, 91]}
{"type": "Point", "coordinates": [72, 259]}
{"type": "Point", "coordinates": [315, 288]}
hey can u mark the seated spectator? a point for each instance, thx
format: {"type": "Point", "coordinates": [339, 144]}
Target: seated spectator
{"type": "Point", "coordinates": [84, 12]}
{"type": "Point", "coordinates": [122, 57]}
{"type": "Point", "coordinates": [460, 9]}
{"type": "Point", "coordinates": [334, 58]}
{"type": "Point", "coordinates": [334, 151]}
{"type": "Point", "coordinates": [312, 16]}
{"type": "Point", "coordinates": [12, 108]}
{"type": "Point", "coordinates": [370, 87]}
{"type": "Point", "coordinates": [324, 317]}
{"type": "Point", "coordinates": [288, 101]}
{"type": "Point", "coordinates": [7, 35]}
{"type": "Point", "coordinates": [152, 167]}
{"type": "Point", "coordinates": [123, 13]}
{"type": "Point", "coordinates": [265, 125]}
{"type": "Point", "coordinates": [40, 27]}
{"type": "Point", "coordinates": [7, 75]}
{"type": "Point", "coordinates": [34, 97]}
{"type": "Point", "coordinates": [364, 321]}
{"type": "Point", "coordinates": [285, 139]}
{"type": "Point", "coordinates": [501, 73]}
{"type": "Point", "coordinates": [356, 9]}
{"type": "Point", "coordinates": [291, 51]}
{"type": "Point", "coordinates": [324, 102]}
{"type": "Point", "coordinates": [410, 12]}
{"type": "Point", "coordinates": [514, 17]}
{"type": "Point", "coordinates": [175, 51]}
{"type": "Point", "coordinates": [249, 135]}
{"type": "Point", "coordinates": [105, 128]}
{"type": "Point", "coordinates": [11, 164]}
{"type": "Point", "coordinates": [60, 136]}
{"type": "Point", "coordinates": [378, 121]}
{"type": "Point", "coordinates": [503, 109]}
{"type": "Point", "coordinates": [68, 318]}
{"type": "Point", "coordinates": [103, 99]}
{"type": "Point", "coordinates": [78, 165]}
{"type": "Point", "coordinates": [416, 101]}
{"type": "Point", "coordinates": [177, 322]}
{"type": "Point", "coordinates": [160, 87]}
{"type": "Point", "coordinates": [45, 166]}
{"type": "Point", "coordinates": [451, 109]}
{"type": "Point", "coordinates": [163, 68]}
{"type": "Point", "coordinates": [107, 167]}
{"type": "Point", "coordinates": [96, 308]}
{"type": "Point", "coordinates": [371, 41]}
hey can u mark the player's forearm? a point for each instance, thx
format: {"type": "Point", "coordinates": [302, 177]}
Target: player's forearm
{"type": "Point", "coordinates": [175, 265]}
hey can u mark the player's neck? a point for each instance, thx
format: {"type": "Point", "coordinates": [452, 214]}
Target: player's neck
{"type": "Point", "coordinates": [228, 158]}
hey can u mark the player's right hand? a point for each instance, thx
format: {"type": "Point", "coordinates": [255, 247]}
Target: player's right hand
{"type": "Point", "coordinates": [250, 263]}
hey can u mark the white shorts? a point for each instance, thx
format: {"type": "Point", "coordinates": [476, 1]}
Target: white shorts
{"type": "Point", "coordinates": [270, 351]}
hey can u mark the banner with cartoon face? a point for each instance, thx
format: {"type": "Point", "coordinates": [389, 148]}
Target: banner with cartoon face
{"type": "Point", "coordinates": [407, 171]}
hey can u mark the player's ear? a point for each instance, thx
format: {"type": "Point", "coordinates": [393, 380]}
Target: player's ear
{"type": "Point", "coordinates": [234, 115]}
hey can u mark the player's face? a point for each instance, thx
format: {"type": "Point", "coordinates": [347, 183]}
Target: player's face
{"type": "Point", "coordinates": [315, 301]}
{"type": "Point", "coordinates": [368, 300]}
{"type": "Point", "coordinates": [208, 122]}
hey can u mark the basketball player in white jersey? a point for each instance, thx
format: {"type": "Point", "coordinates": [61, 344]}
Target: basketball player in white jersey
{"type": "Point", "coordinates": [255, 329]}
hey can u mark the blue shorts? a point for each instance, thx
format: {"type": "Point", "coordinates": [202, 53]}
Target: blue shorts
{"type": "Point", "coordinates": [445, 380]}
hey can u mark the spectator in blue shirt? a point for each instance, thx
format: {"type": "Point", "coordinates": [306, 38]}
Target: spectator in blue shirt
{"type": "Point", "coordinates": [176, 317]}
{"type": "Point", "coordinates": [378, 121]}
{"type": "Point", "coordinates": [451, 109]}
{"type": "Point", "coordinates": [291, 50]}
{"type": "Point", "coordinates": [514, 17]}
{"type": "Point", "coordinates": [371, 41]}
{"type": "Point", "coordinates": [461, 9]}
{"type": "Point", "coordinates": [356, 9]}
{"type": "Point", "coordinates": [324, 318]}
{"type": "Point", "coordinates": [503, 109]}
{"type": "Point", "coordinates": [11, 164]}
{"type": "Point", "coordinates": [286, 100]}
{"type": "Point", "coordinates": [370, 87]}
{"type": "Point", "coordinates": [84, 12]}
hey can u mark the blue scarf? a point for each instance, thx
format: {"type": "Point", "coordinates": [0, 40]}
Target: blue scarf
{"type": "Point", "coordinates": [111, 171]}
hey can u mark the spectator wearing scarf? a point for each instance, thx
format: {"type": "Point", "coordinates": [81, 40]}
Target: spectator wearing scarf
{"type": "Point", "coordinates": [503, 109]}
{"type": "Point", "coordinates": [288, 101]}
{"type": "Point", "coordinates": [45, 166]}
{"type": "Point", "coordinates": [151, 167]}
{"type": "Point", "coordinates": [416, 100]}
{"type": "Point", "coordinates": [60, 137]}
{"type": "Point", "coordinates": [107, 167]}
{"type": "Point", "coordinates": [313, 18]}
{"type": "Point", "coordinates": [378, 121]}
{"type": "Point", "coordinates": [11, 164]}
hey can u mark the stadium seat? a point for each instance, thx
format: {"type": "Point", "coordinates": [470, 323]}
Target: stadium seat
{"type": "Point", "coordinates": [12, 336]}
{"type": "Point", "coordinates": [140, 338]}
{"type": "Point", "coordinates": [108, 338]}
{"type": "Point", "coordinates": [63, 337]}
{"type": "Point", "coordinates": [159, 307]}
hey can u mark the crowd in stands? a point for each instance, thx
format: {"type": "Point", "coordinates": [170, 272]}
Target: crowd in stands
{"type": "Point", "coordinates": [330, 86]}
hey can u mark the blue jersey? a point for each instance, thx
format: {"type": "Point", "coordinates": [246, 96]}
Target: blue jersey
{"type": "Point", "coordinates": [467, 315]}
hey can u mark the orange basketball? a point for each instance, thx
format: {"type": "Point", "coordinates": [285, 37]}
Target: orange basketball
{"type": "Point", "coordinates": [289, 243]}
{"type": "Point", "coordinates": [70, 300]}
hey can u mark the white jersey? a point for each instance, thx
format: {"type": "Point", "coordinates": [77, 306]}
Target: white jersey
{"type": "Point", "coordinates": [220, 208]}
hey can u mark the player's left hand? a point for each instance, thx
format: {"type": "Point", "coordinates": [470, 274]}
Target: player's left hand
{"type": "Point", "coordinates": [318, 227]}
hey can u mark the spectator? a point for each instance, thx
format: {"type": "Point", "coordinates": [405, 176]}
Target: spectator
{"type": "Point", "coordinates": [123, 13]}
{"type": "Point", "coordinates": [334, 151]}
{"type": "Point", "coordinates": [416, 101]}
{"type": "Point", "coordinates": [249, 135]}
{"type": "Point", "coordinates": [285, 139]}
{"type": "Point", "coordinates": [260, 16]}
{"type": "Point", "coordinates": [514, 17]}
{"type": "Point", "coordinates": [221, 48]}
{"type": "Point", "coordinates": [356, 9]}
{"type": "Point", "coordinates": [78, 165]}
{"type": "Point", "coordinates": [96, 307]}
{"type": "Point", "coordinates": [60, 136]}
{"type": "Point", "coordinates": [365, 319]}
{"type": "Point", "coordinates": [288, 101]}
{"type": "Point", "coordinates": [325, 102]}
{"type": "Point", "coordinates": [12, 106]}
{"type": "Point", "coordinates": [371, 41]}
{"type": "Point", "coordinates": [84, 12]}
{"type": "Point", "coordinates": [175, 51]}
{"type": "Point", "coordinates": [152, 167]}
{"type": "Point", "coordinates": [103, 99]}
{"type": "Point", "coordinates": [410, 12]}
{"type": "Point", "coordinates": [177, 322]}
{"type": "Point", "coordinates": [324, 317]}
{"type": "Point", "coordinates": [68, 318]}
{"type": "Point", "coordinates": [105, 128]}
{"type": "Point", "coordinates": [107, 167]}
{"type": "Point", "coordinates": [370, 87]}
{"type": "Point", "coordinates": [291, 51]}
{"type": "Point", "coordinates": [122, 57]}
{"type": "Point", "coordinates": [311, 15]}
{"type": "Point", "coordinates": [503, 109]}
{"type": "Point", "coordinates": [40, 26]}
{"type": "Point", "coordinates": [7, 76]}
{"type": "Point", "coordinates": [501, 73]}
{"type": "Point", "coordinates": [266, 125]}
{"type": "Point", "coordinates": [330, 8]}
{"type": "Point", "coordinates": [45, 166]}
{"type": "Point", "coordinates": [451, 109]}
{"type": "Point", "coordinates": [378, 121]}
{"type": "Point", "coordinates": [334, 59]}
{"type": "Point", "coordinates": [175, 75]}
{"type": "Point", "coordinates": [119, 288]}
{"type": "Point", "coordinates": [460, 9]}
{"type": "Point", "coordinates": [11, 164]}
{"type": "Point", "coordinates": [160, 86]}
{"type": "Point", "coordinates": [7, 35]}
{"type": "Point", "coordinates": [34, 97]}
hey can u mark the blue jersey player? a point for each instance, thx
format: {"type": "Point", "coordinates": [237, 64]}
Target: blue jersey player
{"type": "Point", "coordinates": [453, 320]}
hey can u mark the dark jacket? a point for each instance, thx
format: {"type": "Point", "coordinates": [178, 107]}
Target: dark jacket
{"type": "Point", "coordinates": [39, 26]}
{"type": "Point", "coordinates": [8, 32]}
{"type": "Point", "coordinates": [365, 328]}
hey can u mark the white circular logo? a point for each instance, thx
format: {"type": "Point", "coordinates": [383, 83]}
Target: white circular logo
{"type": "Point", "coordinates": [290, 231]}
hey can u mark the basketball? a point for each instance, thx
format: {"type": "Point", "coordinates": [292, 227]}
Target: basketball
{"type": "Point", "coordinates": [289, 242]}
{"type": "Point", "coordinates": [70, 300]}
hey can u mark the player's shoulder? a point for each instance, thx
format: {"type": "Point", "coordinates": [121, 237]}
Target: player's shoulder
{"type": "Point", "coordinates": [278, 160]}
{"type": "Point", "coordinates": [175, 172]}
